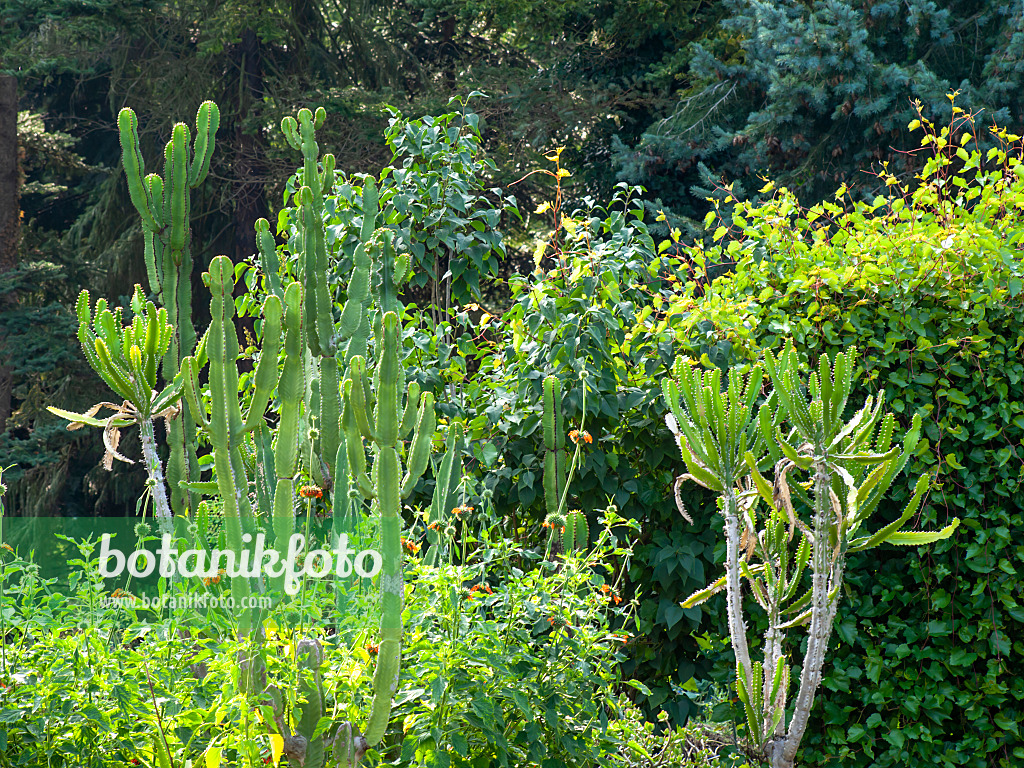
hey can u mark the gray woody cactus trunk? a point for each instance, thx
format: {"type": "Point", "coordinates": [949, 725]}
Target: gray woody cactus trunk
{"type": "Point", "coordinates": [849, 466]}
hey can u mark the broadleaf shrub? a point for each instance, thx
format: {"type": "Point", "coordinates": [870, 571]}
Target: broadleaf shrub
{"type": "Point", "coordinates": [582, 316]}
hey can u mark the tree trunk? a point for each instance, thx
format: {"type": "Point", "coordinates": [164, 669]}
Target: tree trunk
{"type": "Point", "coordinates": [249, 171]}
{"type": "Point", "coordinates": [10, 224]}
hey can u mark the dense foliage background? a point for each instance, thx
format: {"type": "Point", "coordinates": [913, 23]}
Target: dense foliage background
{"type": "Point", "coordinates": [586, 276]}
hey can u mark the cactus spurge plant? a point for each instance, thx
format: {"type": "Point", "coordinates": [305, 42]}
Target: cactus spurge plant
{"type": "Point", "coordinates": [163, 203]}
{"type": "Point", "coordinates": [126, 358]}
{"type": "Point", "coordinates": [849, 465]}
{"type": "Point", "coordinates": [347, 428]}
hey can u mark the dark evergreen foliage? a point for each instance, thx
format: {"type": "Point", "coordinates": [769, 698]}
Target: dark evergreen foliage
{"type": "Point", "coordinates": [815, 94]}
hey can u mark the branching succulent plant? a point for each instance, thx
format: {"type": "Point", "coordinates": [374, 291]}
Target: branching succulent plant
{"type": "Point", "coordinates": [836, 469]}
{"type": "Point", "coordinates": [163, 203]}
{"type": "Point", "coordinates": [325, 422]}
{"type": "Point", "coordinates": [126, 358]}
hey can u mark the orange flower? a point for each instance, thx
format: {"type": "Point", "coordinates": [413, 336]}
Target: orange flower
{"type": "Point", "coordinates": [372, 648]}
{"type": "Point", "coordinates": [616, 599]}
{"type": "Point", "coordinates": [434, 527]}
{"type": "Point", "coordinates": [310, 492]}
{"type": "Point", "coordinates": [462, 510]}
{"type": "Point", "coordinates": [410, 546]}
{"type": "Point", "coordinates": [576, 434]}
{"type": "Point", "coordinates": [7, 546]}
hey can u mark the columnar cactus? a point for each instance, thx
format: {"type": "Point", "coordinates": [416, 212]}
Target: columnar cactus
{"type": "Point", "coordinates": [336, 418]}
{"type": "Point", "coordinates": [225, 425]}
{"type": "Point", "coordinates": [302, 355]}
{"type": "Point", "coordinates": [163, 204]}
{"type": "Point", "coordinates": [126, 358]}
{"type": "Point", "coordinates": [556, 459]}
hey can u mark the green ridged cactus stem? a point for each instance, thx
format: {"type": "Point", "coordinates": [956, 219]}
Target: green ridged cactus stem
{"type": "Point", "coordinates": [324, 340]}
{"type": "Point", "coordinates": [556, 459]}
{"type": "Point", "coordinates": [309, 655]}
{"type": "Point", "coordinates": [163, 203]}
{"type": "Point", "coordinates": [576, 532]}
{"type": "Point", "coordinates": [126, 358]}
{"type": "Point", "coordinates": [225, 424]}
{"type": "Point", "coordinates": [382, 427]}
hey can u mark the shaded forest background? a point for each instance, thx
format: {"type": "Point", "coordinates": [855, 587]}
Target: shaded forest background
{"type": "Point", "coordinates": [683, 97]}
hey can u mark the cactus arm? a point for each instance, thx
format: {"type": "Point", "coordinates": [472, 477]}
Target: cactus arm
{"type": "Point", "coordinates": [386, 410]}
{"type": "Point", "coordinates": [291, 385]}
{"type": "Point", "coordinates": [176, 156]}
{"type": "Point", "coordinates": [190, 373]}
{"type": "Point", "coordinates": [286, 449]}
{"type": "Point", "coordinates": [226, 418]}
{"type": "Point", "coordinates": [330, 409]}
{"type": "Point", "coordinates": [207, 122]}
{"type": "Point", "coordinates": [358, 289]}
{"type": "Point", "coordinates": [419, 452]}
{"type": "Point", "coordinates": [307, 268]}
{"type": "Point", "coordinates": [135, 168]}
{"type": "Point", "coordinates": [357, 373]}
{"type": "Point", "coordinates": [153, 272]}
{"type": "Point", "coordinates": [385, 678]}
{"type": "Point", "coordinates": [269, 262]}
{"type": "Point", "coordinates": [289, 127]}
{"type": "Point", "coordinates": [310, 152]}
{"type": "Point", "coordinates": [266, 370]}
{"type": "Point", "coordinates": [327, 177]}
{"type": "Point", "coordinates": [309, 656]}
{"type": "Point", "coordinates": [354, 444]}
{"type": "Point", "coordinates": [409, 417]}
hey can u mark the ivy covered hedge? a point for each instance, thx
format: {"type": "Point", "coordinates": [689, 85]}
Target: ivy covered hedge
{"type": "Point", "coordinates": [928, 284]}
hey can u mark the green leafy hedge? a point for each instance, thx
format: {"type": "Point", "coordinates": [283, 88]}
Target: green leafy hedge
{"type": "Point", "coordinates": [929, 286]}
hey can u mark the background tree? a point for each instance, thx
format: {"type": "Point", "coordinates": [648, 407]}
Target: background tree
{"type": "Point", "coordinates": [815, 94]}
